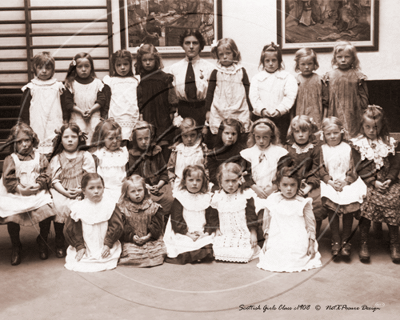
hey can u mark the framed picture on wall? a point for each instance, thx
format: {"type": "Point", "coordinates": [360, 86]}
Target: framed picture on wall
{"type": "Point", "coordinates": [318, 24]}
{"type": "Point", "coordinates": [161, 22]}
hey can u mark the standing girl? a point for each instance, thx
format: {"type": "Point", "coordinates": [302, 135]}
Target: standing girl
{"type": "Point", "coordinates": [24, 200]}
{"type": "Point", "coordinates": [348, 93]}
{"type": "Point", "coordinates": [228, 90]}
{"type": "Point", "coordinates": [67, 167]}
{"type": "Point", "coordinates": [305, 152]}
{"type": "Point", "coordinates": [147, 161]}
{"type": "Point", "coordinates": [190, 151]}
{"type": "Point", "coordinates": [156, 95]}
{"type": "Point", "coordinates": [41, 102]}
{"type": "Point", "coordinates": [123, 85]}
{"type": "Point", "coordinates": [289, 228]}
{"type": "Point", "coordinates": [236, 230]}
{"type": "Point", "coordinates": [273, 91]}
{"type": "Point", "coordinates": [87, 92]}
{"type": "Point", "coordinates": [312, 96]}
{"type": "Point", "coordinates": [188, 233]}
{"type": "Point", "coordinates": [262, 157]}
{"type": "Point", "coordinates": [342, 191]}
{"type": "Point", "coordinates": [111, 159]}
{"type": "Point", "coordinates": [379, 167]}
{"type": "Point", "coordinates": [227, 148]}
{"type": "Point", "coordinates": [93, 243]}
{"type": "Point", "coordinates": [143, 225]}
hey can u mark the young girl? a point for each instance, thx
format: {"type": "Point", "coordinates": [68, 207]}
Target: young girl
{"type": "Point", "coordinates": [123, 85]}
{"type": "Point", "coordinates": [156, 95]}
{"type": "Point", "coordinates": [289, 228]}
{"type": "Point", "coordinates": [188, 235]}
{"type": "Point", "coordinates": [312, 96]}
{"type": "Point", "coordinates": [304, 150]}
{"type": "Point", "coordinates": [227, 148]}
{"type": "Point", "coordinates": [87, 92]}
{"type": "Point", "coordinates": [262, 157]}
{"type": "Point", "coordinates": [147, 161]}
{"type": "Point", "coordinates": [228, 89]}
{"type": "Point", "coordinates": [24, 199]}
{"type": "Point", "coordinates": [111, 159]}
{"type": "Point", "coordinates": [342, 191]}
{"type": "Point", "coordinates": [67, 167]}
{"type": "Point", "coordinates": [93, 243]}
{"type": "Point", "coordinates": [348, 94]}
{"type": "Point", "coordinates": [41, 102]}
{"type": "Point", "coordinates": [273, 91]}
{"type": "Point", "coordinates": [142, 221]}
{"type": "Point", "coordinates": [236, 234]}
{"type": "Point", "coordinates": [188, 152]}
{"type": "Point", "coordinates": [379, 167]}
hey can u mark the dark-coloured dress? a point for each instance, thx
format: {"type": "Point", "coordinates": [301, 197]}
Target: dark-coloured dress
{"type": "Point", "coordinates": [307, 159]}
{"type": "Point", "coordinates": [153, 94]}
{"type": "Point", "coordinates": [312, 97]}
{"type": "Point", "coordinates": [348, 97]}
{"type": "Point", "coordinates": [378, 161]}
{"type": "Point", "coordinates": [141, 219]}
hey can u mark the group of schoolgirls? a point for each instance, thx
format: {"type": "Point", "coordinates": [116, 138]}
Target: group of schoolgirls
{"type": "Point", "coordinates": [123, 189]}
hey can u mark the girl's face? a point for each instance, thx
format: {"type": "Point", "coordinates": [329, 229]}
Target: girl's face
{"type": "Point", "coordinates": [230, 182]}
{"type": "Point", "coordinates": [191, 46]}
{"type": "Point", "coordinates": [44, 72]}
{"type": "Point", "coordinates": [122, 67]}
{"type": "Point", "coordinates": [23, 143]}
{"type": "Point", "coordinates": [94, 190]}
{"type": "Point", "coordinates": [271, 62]}
{"type": "Point", "coordinates": [136, 192]}
{"type": "Point", "coordinates": [344, 59]}
{"type": "Point", "coordinates": [143, 138]}
{"type": "Point", "coordinates": [148, 62]}
{"type": "Point", "coordinates": [333, 135]}
{"type": "Point", "coordinates": [83, 68]}
{"type": "Point", "coordinates": [189, 138]}
{"type": "Point", "coordinates": [194, 181]}
{"type": "Point", "coordinates": [225, 56]}
{"type": "Point", "coordinates": [371, 128]}
{"type": "Point", "coordinates": [288, 187]}
{"type": "Point", "coordinates": [306, 65]}
{"type": "Point", "coordinates": [301, 136]}
{"type": "Point", "coordinates": [229, 136]}
{"type": "Point", "coordinates": [262, 135]}
{"type": "Point", "coordinates": [70, 140]}
{"type": "Point", "coordinates": [112, 141]}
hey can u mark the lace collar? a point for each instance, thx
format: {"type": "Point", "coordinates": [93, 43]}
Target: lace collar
{"type": "Point", "coordinates": [301, 149]}
{"type": "Point", "coordinates": [233, 69]}
{"type": "Point", "coordinates": [375, 150]}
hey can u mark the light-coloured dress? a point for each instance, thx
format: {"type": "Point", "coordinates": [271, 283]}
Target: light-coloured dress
{"type": "Point", "coordinates": [194, 214]}
{"type": "Point", "coordinates": [123, 104]}
{"type": "Point", "coordinates": [234, 244]}
{"type": "Point", "coordinates": [14, 206]}
{"type": "Point", "coordinates": [85, 96]}
{"type": "Point", "coordinates": [68, 172]}
{"type": "Point", "coordinates": [94, 218]}
{"type": "Point", "coordinates": [45, 113]}
{"type": "Point", "coordinates": [112, 168]}
{"type": "Point", "coordinates": [289, 224]}
{"type": "Point", "coordinates": [337, 160]}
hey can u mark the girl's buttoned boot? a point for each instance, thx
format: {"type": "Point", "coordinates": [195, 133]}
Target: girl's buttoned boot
{"type": "Point", "coordinates": [394, 243]}
{"type": "Point", "coordinates": [364, 226]}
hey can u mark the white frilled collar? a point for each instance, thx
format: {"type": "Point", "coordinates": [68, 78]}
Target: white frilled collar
{"type": "Point", "coordinates": [37, 82]}
{"type": "Point", "coordinates": [280, 74]}
{"type": "Point", "coordinates": [375, 150]}
{"type": "Point", "coordinates": [305, 149]}
{"type": "Point", "coordinates": [187, 151]}
{"type": "Point", "coordinates": [193, 201]}
{"type": "Point", "coordinates": [233, 69]}
{"type": "Point", "coordinates": [92, 212]}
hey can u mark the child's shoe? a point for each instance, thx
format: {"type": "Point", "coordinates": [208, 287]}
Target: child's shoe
{"type": "Point", "coordinates": [16, 255]}
{"type": "Point", "coordinates": [42, 246]}
{"type": "Point", "coordinates": [335, 248]}
{"type": "Point", "coordinates": [346, 249]}
{"type": "Point", "coordinates": [61, 252]}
